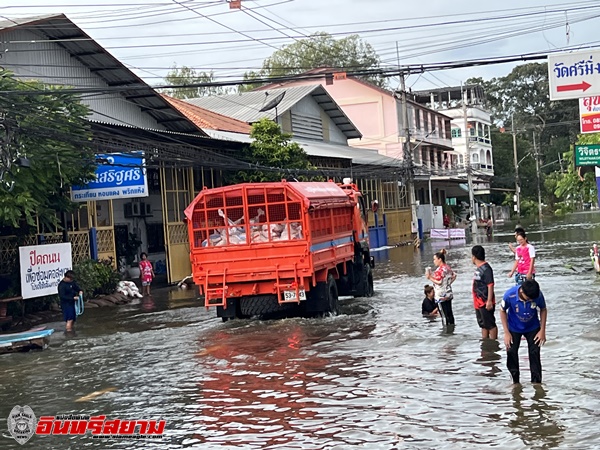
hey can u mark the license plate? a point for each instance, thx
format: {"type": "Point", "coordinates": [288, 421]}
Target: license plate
{"type": "Point", "coordinates": [291, 295]}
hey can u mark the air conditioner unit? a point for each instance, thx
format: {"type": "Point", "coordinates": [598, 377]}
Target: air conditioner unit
{"type": "Point", "coordinates": [147, 207]}
{"type": "Point", "coordinates": [132, 210]}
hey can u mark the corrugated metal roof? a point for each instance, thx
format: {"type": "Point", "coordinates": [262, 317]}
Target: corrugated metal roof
{"type": "Point", "coordinates": [246, 106]}
{"type": "Point", "coordinates": [358, 156]}
{"type": "Point", "coordinates": [59, 30]}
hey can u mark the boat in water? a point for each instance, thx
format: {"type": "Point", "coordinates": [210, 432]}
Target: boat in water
{"type": "Point", "coordinates": [34, 339]}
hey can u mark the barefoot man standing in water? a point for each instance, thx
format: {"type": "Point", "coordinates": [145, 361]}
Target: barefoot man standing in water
{"type": "Point", "coordinates": [519, 314]}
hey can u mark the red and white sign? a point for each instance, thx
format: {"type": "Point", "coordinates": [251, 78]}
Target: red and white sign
{"type": "Point", "coordinates": [574, 74]}
{"type": "Point", "coordinates": [42, 268]}
{"type": "Point", "coordinates": [589, 114]}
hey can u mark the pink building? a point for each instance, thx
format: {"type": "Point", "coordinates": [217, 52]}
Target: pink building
{"type": "Point", "coordinates": [377, 113]}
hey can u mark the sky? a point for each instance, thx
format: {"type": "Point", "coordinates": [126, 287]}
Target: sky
{"type": "Point", "coordinates": [150, 36]}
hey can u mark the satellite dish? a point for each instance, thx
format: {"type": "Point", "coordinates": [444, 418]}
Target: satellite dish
{"type": "Point", "coordinates": [272, 103]}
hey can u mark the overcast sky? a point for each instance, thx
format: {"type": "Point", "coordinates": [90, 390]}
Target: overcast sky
{"type": "Point", "coordinates": [150, 36]}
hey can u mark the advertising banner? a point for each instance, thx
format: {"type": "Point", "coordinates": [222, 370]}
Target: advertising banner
{"type": "Point", "coordinates": [118, 176]}
{"type": "Point", "coordinates": [42, 268]}
{"type": "Point", "coordinates": [589, 114]}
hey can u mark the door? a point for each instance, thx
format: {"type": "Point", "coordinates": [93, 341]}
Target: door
{"type": "Point", "coordinates": [176, 193]}
{"type": "Point", "coordinates": [101, 217]}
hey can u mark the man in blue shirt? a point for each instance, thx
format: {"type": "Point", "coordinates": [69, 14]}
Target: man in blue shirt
{"type": "Point", "coordinates": [519, 315]}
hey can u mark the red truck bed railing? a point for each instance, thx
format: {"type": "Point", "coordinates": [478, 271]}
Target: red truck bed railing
{"type": "Point", "coordinates": [268, 238]}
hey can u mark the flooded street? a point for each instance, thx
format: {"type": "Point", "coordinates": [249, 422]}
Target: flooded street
{"type": "Point", "coordinates": [378, 376]}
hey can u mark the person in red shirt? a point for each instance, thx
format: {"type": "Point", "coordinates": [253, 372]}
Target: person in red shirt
{"type": "Point", "coordinates": [146, 273]}
{"type": "Point", "coordinates": [484, 299]}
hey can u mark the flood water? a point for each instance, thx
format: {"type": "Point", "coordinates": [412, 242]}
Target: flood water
{"type": "Point", "coordinates": [378, 376]}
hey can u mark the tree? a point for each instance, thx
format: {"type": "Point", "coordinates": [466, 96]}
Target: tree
{"type": "Point", "coordinates": [520, 100]}
{"type": "Point", "coordinates": [183, 76]}
{"type": "Point", "coordinates": [50, 129]}
{"type": "Point", "coordinates": [271, 148]}
{"type": "Point", "coordinates": [570, 187]}
{"type": "Point", "coordinates": [320, 50]}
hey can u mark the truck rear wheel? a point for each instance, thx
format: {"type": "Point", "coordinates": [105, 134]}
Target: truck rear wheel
{"type": "Point", "coordinates": [332, 295]}
{"type": "Point", "coordinates": [263, 304]}
{"type": "Point", "coordinates": [370, 289]}
{"type": "Point", "coordinates": [365, 288]}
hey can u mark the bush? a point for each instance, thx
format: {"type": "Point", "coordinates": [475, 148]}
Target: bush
{"type": "Point", "coordinates": [96, 277]}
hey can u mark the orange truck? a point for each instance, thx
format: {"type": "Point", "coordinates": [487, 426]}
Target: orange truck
{"type": "Point", "coordinates": [279, 247]}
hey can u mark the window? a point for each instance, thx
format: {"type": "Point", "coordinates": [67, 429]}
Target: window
{"type": "Point", "coordinates": [417, 118]}
{"type": "Point", "coordinates": [456, 132]}
{"type": "Point", "coordinates": [156, 237]}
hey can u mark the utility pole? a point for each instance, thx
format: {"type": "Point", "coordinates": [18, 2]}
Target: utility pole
{"type": "Point", "coordinates": [517, 186]}
{"type": "Point", "coordinates": [468, 165]}
{"type": "Point", "coordinates": [408, 156]}
{"type": "Point", "coordinates": [537, 169]}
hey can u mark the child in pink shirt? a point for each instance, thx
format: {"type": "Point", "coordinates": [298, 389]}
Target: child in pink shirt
{"type": "Point", "coordinates": [523, 268]}
{"type": "Point", "coordinates": [146, 273]}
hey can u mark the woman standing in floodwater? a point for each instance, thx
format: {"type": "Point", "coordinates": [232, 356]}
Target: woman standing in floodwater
{"type": "Point", "coordinates": [442, 280]}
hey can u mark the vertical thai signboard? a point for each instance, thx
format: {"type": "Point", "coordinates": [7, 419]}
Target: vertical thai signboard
{"type": "Point", "coordinates": [42, 268]}
{"type": "Point", "coordinates": [589, 156]}
{"type": "Point", "coordinates": [117, 176]}
{"type": "Point", "coordinates": [589, 114]}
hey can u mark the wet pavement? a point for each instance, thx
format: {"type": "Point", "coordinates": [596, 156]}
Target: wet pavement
{"type": "Point", "coordinates": [378, 376]}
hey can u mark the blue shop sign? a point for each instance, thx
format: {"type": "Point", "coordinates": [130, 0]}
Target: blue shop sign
{"type": "Point", "coordinates": [117, 176]}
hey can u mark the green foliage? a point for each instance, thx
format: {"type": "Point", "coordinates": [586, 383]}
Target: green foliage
{"type": "Point", "coordinates": [520, 101]}
{"type": "Point", "coordinates": [320, 50]}
{"type": "Point", "coordinates": [51, 130]}
{"type": "Point", "coordinates": [271, 148]}
{"type": "Point", "coordinates": [572, 189]}
{"type": "Point", "coordinates": [181, 76]}
{"type": "Point", "coordinates": [96, 277]}
{"type": "Point", "coordinates": [529, 207]}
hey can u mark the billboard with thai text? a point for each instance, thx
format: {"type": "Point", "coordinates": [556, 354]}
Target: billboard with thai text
{"type": "Point", "coordinates": [42, 268]}
{"type": "Point", "coordinates": [117, 176]}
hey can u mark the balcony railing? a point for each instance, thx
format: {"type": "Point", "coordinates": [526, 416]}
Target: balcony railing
{"type": "Point", "coordinates": [480, 139]}
{"type": "Point", "coordinates": [482, 167]}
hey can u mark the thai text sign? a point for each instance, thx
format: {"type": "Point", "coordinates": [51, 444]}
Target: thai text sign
{"type": "Point", "coordinates": [42, 268]}
{"type": "Point", "coordinates": [587, 155]}
{"type": "Point", "coordinates": [117, 176]}
{"type": "Point", "coordinates": [574, 75]}
{"type": "Point", "coordinates": [589, 114]}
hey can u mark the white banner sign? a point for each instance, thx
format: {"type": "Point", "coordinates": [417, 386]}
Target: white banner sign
{"type": "Point", "coordinates": [447, 233]}
{"type": "Point", "coordinates": [42, 268]}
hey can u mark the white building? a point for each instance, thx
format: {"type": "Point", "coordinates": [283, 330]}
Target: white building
{"type": "Point", "coordinates": [460, 103]}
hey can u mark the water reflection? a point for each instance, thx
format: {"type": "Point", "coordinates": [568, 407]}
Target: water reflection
{"type": "Point", "coordinates": [490, 357]}
{"type": "Point", "coordinates": [271, 383]}
{"type": "Point", "coordinates": [534, 419]}
{"type": "Point", "coordinates": [378, 376]}
{"type": "Point", "coordinates": [148, 303]}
